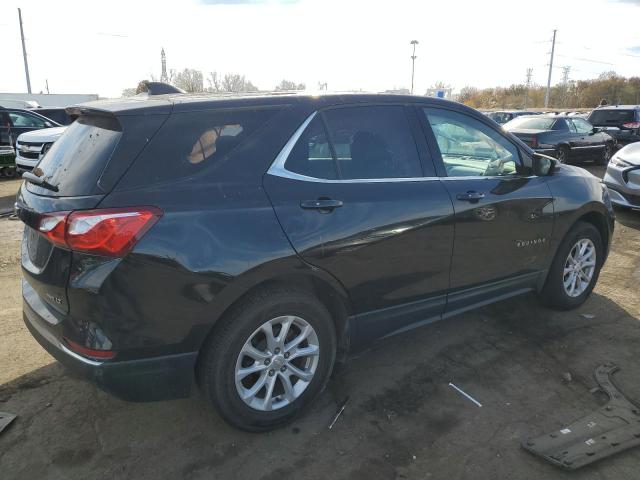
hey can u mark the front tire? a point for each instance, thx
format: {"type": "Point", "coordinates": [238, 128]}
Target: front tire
{"type": "Point", "coordinates": [575, 268]}
{"type": "Point", "coordinates": [606, 154]}
{"type": "Point", "coordinates": [562, 154]}
{"type": "Point", "coordinates": [270, 358]}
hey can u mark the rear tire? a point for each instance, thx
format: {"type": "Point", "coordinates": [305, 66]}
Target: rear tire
{"type": "Point", "coordinates": [240, 343]}
{"type": "Point", "coordinates": [555, 293]}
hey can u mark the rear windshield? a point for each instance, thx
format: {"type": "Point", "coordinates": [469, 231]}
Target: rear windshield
{"type": "Point", "coordinates": [611, 117]}
{"type": "Point", "coordinates": [189, 143]}
{"type": "Point", "coordinates": [532, 123]}
{"type": "Point", "coordinates": [76, 160]}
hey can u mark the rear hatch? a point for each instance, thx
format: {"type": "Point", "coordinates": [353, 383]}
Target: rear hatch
{"type": "Point", "coordinates": [75, 174]}
{"type": "Point", "coordinates": [627, 121]}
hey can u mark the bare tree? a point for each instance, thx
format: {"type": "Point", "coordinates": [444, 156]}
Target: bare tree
{"type": "Point", "coordinates": [215, 82]}
{"type": "Point", "coordinates": [286, 85]}
{"type": "Point", "coordinates": [189, 80]}
{"type": "Point", "coordinates": [234, 82]}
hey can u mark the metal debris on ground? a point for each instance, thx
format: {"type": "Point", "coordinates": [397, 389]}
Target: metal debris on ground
{"type": "Point", "coordinates": [340, 410]}
{"type": "Point", "coordinates": [459, 390]}
{"type": "Point", "coordinates": [588, 316]}
{"type": "Point", "coordinates": [610, 429]}
{"type": "Point", "coordinates": [6, 419]}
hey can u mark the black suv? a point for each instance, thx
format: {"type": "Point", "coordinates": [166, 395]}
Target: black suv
{"type": "Point", "coordinates": [622, 122]}
{"type": "Point", "coordinates": [249, 242]}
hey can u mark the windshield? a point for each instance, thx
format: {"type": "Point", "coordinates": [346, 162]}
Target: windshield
{"type": "Point", "coordinates": [531, 123]}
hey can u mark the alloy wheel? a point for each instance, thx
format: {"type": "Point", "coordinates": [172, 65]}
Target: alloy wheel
{"type": "Point", "coordinates": [277, 363]}
{"type": "Point", "coordinates": [579, 267]}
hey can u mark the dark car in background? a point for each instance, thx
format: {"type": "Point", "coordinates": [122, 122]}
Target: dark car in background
{"type": "Point", "coordinates": [249, 243]}
{"type": "Point", "coordinates": [622, 122]}
{"type": "Point", "coordinates": [57, 114]}
{"type": "Point", "coordinates": [16, 121]}
{"type": "Point", "coordinates": [569, 139]}
{"type": "Point", "coordinates": [504, 116]}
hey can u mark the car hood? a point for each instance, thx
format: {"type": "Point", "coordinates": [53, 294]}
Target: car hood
{"type": "Point", "coordinates": [43, 135]}
{"type": "Point", "coordinates": [630, 153]}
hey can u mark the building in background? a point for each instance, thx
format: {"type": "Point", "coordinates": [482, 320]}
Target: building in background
{"type": "Point", "coordinates": [49, 100]}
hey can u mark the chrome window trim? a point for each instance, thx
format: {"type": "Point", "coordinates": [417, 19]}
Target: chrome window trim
{"type": "Point", "coordinates": [278, 169]}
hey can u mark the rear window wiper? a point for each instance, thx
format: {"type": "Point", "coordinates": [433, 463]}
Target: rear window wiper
{"type": "Point", "coordinates": [41, 182]}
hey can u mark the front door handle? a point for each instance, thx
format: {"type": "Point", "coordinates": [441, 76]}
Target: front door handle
{"type": "Point", "coordinates": [323, 205]}
{"type": "Point", "coordinates": [470, 196]}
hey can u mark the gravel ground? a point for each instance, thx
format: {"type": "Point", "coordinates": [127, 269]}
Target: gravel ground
{"type": "Point", "coordinates": [402, 420]}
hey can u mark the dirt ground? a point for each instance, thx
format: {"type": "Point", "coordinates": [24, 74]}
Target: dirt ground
{"type": "Point", "coordinates": [402, 419]}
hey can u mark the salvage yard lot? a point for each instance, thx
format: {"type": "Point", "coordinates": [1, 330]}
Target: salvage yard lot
{"type": "Point", "coordinates": [401, 420]}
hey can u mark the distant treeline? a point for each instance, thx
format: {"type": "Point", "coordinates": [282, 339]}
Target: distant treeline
{"type": "Point", "coordinates": [613, 88]}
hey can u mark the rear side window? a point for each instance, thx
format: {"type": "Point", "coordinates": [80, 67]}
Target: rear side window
{"type": "Point", "coordinates": [76, 160]}
{"type": "Point", "coordinates": [611, 117]}
{"type": "Point", "coordinates": [368, 142]}
{"type": "Point", "coordinates": [189, 143]}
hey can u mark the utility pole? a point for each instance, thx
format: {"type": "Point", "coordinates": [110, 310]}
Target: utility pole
{"type": "Point", "coordinates": [47, 84]}
{"type": "Point", "coordinates": [24, 53]}
{"type": "Point", "coordinates": [413, 62]}
{"type": "Point", "coordinates": [527, 86]}
{"type": "Point", "coordinates": [553, 47]}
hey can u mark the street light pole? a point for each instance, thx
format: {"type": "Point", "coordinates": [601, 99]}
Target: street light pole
{"type": "Point", "coordinates": [413, 62]}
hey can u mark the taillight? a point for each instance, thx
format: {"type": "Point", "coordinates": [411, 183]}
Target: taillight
{"type": "Point", "coordinates": [631, 125]}
{"type": "Point", "coordinates": [52, 226]}
{"type": "Point", "coordinates": [110, 232]}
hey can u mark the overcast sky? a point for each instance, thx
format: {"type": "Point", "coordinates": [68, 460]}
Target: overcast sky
{"type": "Point", "coordinates": [105, 46]}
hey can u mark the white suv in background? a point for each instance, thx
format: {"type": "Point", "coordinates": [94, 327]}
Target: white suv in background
{"type": "Point", "coordinates": [31, 146]}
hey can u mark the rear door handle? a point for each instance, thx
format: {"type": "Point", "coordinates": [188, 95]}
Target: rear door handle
{"type": "Point", "coordinates": [470, 196]}
{"type": "Point", "coordinates": [323, 205]}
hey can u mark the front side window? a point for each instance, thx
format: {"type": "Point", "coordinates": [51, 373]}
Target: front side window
{"type": "Point", "coordinates": [582, 126]}
{"type": "Point", "coordinates": [369, 142]}
{"type": "Point", "coordinates": [20, 119]}
{"type": "Point", "coordinates": [470, 148]}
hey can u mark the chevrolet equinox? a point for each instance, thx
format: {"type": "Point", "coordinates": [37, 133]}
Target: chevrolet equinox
{"type": "Point", "coordinates": [247, 243]}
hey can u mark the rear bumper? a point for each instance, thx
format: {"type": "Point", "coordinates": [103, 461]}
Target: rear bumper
{"type": "Point", "coordinates": [157, 378]}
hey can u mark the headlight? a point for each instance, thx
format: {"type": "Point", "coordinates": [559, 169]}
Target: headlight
{"type": "Point", "coordinates": [45, 149]}
{"type": "Point", "coordinates": [618, 162]}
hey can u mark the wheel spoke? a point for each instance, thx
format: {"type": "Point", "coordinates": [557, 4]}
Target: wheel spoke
{"type": "Point", "coordinates": [308, 351]}
{"type": "Point", "coordinates": [268, 397]}
{"type": "Point", "coordinates": [251, 351]}
{"type": "Point", "coordinates": [301, 374]}
{"type": "Point", "coordinates": [298, 339]}
{"type": "Point", "coordinates": [256, 367]}
{"type": "Point", "coordinates": [255, 388]}
{"type": "Point", "coordinates": [267, 329]}
{"type": "Point", "coordinates": [282, 336]}
{"type": "Point", "coordinates": [288, 388]}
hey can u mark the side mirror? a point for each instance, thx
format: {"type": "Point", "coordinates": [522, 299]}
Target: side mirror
{"type": "Point", "coordinates": [596, 129]}
{"type": "Point", "coordinates": [48, 124]}
{"type": "Point", "coordinates": [542, 165]}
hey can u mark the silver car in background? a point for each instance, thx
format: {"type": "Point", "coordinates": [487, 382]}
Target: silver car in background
{"type": "Point", "coordinates": [623, 176]}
